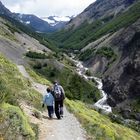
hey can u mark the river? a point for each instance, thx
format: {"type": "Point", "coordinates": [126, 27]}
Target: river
{"type": "Point", "coordinates": [102, 103]}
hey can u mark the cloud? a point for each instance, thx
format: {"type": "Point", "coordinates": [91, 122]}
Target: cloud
{"type": "Point", "coordinates": [47, 7]}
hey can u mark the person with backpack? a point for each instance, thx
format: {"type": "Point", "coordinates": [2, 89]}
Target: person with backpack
{"type": "Point", "coordinates": [48, 100]}
{"type": "Point", "coordinates": [59, 96]}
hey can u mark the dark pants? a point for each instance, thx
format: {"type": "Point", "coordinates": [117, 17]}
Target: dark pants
{"type": "Point", "coordinates": [50, 111]}
{"type": "Point", "coordinates": [59, 108]}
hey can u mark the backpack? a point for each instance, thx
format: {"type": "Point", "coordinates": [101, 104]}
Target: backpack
{"type": "Point", "coordinates": [57, 92]}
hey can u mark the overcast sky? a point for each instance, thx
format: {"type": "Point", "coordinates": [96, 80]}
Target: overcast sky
{"type": "Point", "coordinates": [43, 8]}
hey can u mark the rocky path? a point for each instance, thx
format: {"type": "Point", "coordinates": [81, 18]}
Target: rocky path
{"type": "Point", "coordinates": [67, 128]}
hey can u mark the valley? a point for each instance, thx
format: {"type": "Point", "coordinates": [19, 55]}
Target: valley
{"type": "Point", "coordinates": [95, 57]}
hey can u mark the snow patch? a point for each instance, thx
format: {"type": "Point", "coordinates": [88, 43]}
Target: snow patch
{"type": "Point", "coordinates": [48, 20]}
{"type": "Point", "coordinates": [61, 18]}
{"type": "Point", "coordinates": [27, 22]}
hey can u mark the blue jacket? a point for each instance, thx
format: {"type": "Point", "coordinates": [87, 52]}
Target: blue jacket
{"type": "Point", "coordinates": [48, 99]}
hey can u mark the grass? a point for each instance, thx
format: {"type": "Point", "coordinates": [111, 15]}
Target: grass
{"type": "Point", "coordinates": [14, 89]}
{"type": "Point", "coordinates": [15, 123]}
{"type": "Point", "coordinates": [38, 78]}
{"type": "Point", "coordinates": [6, 33]}
{"type": "Point", "coordinates": [100, 127]}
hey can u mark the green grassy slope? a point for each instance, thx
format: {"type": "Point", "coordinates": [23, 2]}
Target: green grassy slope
{"type": "Point", "coordinates": [100, 127]}
{"type": "Point", "coordinates": [86, 33]}
{"type": "Point", "coordinates": [13, 90]}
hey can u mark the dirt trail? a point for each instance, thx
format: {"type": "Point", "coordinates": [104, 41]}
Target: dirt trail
{"type": "Point", "coordinates": [67, 128]}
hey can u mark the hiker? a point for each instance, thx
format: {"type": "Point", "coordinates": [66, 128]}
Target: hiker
{"type": "Point", "coordinates": [59, 96]}
{"type": "Point", "coordinates": [48, 100]}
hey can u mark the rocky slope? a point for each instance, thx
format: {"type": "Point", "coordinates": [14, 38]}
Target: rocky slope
{"type": "Point", "coordinates": [15, 45]}
{"type": "Point", "coordinates": [117, 58]}
{"type": "Point", "coordinates": [101, 9]}
{"type": "Point", "coordinates": [122, 81]}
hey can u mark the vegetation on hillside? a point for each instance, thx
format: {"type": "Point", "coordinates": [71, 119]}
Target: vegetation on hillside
{"type": "Point", "coordinates": [4, 32]}
{"type": "Point", "coordinates": [38, 78]}
{"type": "Point", "coordinates": [15, 124]}
{"type": "Point", "coordinates": [87, 54]}
{"type": "Point", "coordinates": [86, 33]}
{"type": "Point", "coordinates": [106, 52]}
{"type": "Point", "coordinates": [98, 126]}
{"type": "Point", "coordinates": [15, 89]}
{"type": "Point", "coordinates": [75, 86]}
{"type": "Point", "coordinates": [36, 55]}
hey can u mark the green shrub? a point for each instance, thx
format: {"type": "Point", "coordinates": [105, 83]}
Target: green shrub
{"type": "Point", "coordinates": [37, 65]}
{"type": "Point", "coordinates": [36, 55]}
{"type": "Point", "coordinates": [87, 54]}
{"type": "Point", "coordinates": [106, 52]}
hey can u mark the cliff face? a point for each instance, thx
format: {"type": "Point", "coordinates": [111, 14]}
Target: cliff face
{"type": "Point", "coordinates": [120, 68]}
{"type": "Point", "coordinates": [101, 9]}
{"type": "Point", "coordinates": [124, 81]}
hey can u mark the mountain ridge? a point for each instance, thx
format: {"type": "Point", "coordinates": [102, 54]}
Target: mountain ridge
{"type": "Point", "coordinates": [100, 9]}
{"type": "Point", "coordinates": [33, 21]}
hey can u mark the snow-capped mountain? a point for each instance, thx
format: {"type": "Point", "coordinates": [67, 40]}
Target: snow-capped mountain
{"type": "Point", "coordinates": [54, 20]}
{"type": "Point", "coordinates": [45, 24]}
{"type": "Point", "coordinates": [35, 22]}
{"type": "Point", "coordinates": [57, 22]}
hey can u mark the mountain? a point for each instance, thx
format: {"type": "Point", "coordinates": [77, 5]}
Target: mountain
{"type": "Point", "coordinates": [109, 47]}
{"type": "Point", "coordinates": [101, 9]}
{"type": "Point", "coordinates": [79, 33]}
{"type": "Point", "coordinates": [116, 57]}
{"type": "Point", "coordinates": [49, 24]}
{"type": "Point", "coordinates": [35, 22]}
{"type": "Point", "coordinates": [57, 22]}
{"type": "Point", "coordinates": [44, 24]}
{"type": "Point", "coordinates": [4, 10]}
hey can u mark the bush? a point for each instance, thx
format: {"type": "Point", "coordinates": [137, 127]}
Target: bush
{"type": "Point", "coordinates": [36, 55]}
{"type": "Point", "coordinates": [37, 65]}
{"type": "Point", "coordinates": [87, 54]}
{"type": "Point", "coordinates": [106, 52]}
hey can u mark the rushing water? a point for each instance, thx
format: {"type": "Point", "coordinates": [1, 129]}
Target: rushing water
{"type": "Point", "coordinates": [102, 103]}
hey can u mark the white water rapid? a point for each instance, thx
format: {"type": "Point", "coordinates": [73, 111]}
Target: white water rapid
{"type": "Point", "coordinates": [100, 104]}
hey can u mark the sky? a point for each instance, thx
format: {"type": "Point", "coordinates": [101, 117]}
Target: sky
{"type": "Point", "coordinates": [43, 8]}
